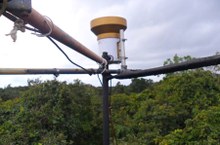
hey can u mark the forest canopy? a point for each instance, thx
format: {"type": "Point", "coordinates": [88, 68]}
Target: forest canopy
{"type": "Point", "coordinates": [182, 108]}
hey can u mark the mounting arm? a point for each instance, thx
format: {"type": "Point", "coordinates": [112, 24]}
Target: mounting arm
{"type": "Point", "coordinates": [34, 18]}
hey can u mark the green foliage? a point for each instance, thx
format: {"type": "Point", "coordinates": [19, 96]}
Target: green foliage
{"type": "Point", "coordinates": [177, 59]}
{"type": "Point", "coordinates": [8, 109]}
{"type": "Point", "coordinates": [183, 108]}
{"type": "Point", "coordinates": [119, 89]}
{"type": "Point", "coordinates": [136, 86]}
{"type": "Point", "coordinates": [11, 92]}
{"type": "Point", "coordinates": [203, 129]}
{"type": "Point", "coordinates": [54, 113]}
{"type": "Point", "coordinates": [146, 117]}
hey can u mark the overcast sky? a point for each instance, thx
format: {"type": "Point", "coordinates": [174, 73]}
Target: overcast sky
{"type": "Point", "coordinates": [157, 30]}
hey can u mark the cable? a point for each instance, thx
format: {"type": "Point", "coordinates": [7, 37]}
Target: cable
{"type": "Point", "coordinates": [103, 66]}
{"type": "Point", "coordinates": [13, 18]}
{"type": "Point", "coordinates": [89, 72]}
{"type": "Point", "coordinates": [4, 6]}
{"type": "Point", "coordinates": [99, 79]}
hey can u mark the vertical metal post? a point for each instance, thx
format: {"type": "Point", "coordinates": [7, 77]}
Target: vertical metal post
{"type": "Point", "coordinates": [122, 50]}
{"type": "Point", "coordinates": [105, 100]}
{"type": "Point", "coordinates": [105, 110]}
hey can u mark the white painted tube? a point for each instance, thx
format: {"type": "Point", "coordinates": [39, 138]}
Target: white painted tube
{"type": "Point", "coordinates": [122, 50]}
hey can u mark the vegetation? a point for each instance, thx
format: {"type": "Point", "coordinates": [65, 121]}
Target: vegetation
{"type": "Point", "coordinates": [183, 108]}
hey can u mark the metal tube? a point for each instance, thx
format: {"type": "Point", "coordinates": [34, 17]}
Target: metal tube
{"type": "Point", "coordinates": [105, 106]}
{"type": "Point", "coordinates": [122, 50]}
{"type": "Point", "coordinates": [55, 71]}
{"type": "Point", "coordinates": [40, 22]}
{"type": "Point", "coordinates": [195, 63]}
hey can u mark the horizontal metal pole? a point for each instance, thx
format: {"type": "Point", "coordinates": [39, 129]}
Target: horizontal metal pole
{"type": "Point", "coordinates": [55, 71]}
{"type": "Point", "coordinates": [44, 25]}
{"type": "Point", "coordinates": [195, 63]}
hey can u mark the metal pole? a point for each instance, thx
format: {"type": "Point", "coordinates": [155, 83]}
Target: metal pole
{"type": "Point", "coordinates": [192, 64]}
{"type": "Point", "coordinates": [122, 50]}
{"type": "Point", "coordinates": [56, 71]}
{"type": "Point", "coordinates": [105, 100]}
{"type": "Point", "coordinates": [38, 21]}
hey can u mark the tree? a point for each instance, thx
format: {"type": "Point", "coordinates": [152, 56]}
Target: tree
{"type": "Point", "coordinates": [183, 108]}
{"type": "Point", "coordinates": [53, 112]}
{"type": "Point", "coordinates": [138, 85]}
{"type": "Point", "coordinates": [119, 89]}
{"type": "Point", "coordinates": [203, 129]}
{"type": "Point", "coordinates": [9, 92]}
{"type": "Point", "coordinates": [146, 117]}
{"type": "Point", "coordinates": [177, 59]}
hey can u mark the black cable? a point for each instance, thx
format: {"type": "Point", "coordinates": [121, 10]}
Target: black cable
{"type": "Point", "coordinates": [14, 18]}
{"type": "Point", "coordinates": [35, 30]}
{"type": "Point", "coordinates": [89, 72]}
{"type": "Point", "coordinates": [100, 80]}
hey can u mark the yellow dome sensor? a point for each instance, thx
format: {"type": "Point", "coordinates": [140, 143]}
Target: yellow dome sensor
{"type": "Point", "coordinates": [110, 32]}
{"type": "Point", "coordinates": [108, 27]}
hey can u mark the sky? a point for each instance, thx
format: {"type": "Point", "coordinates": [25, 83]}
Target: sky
{"type": "Point", "coordinates": [156, 31]}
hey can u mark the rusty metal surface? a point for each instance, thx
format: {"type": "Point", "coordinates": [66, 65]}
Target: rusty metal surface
{"type": "Point", "coordinates": [44, 25]}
